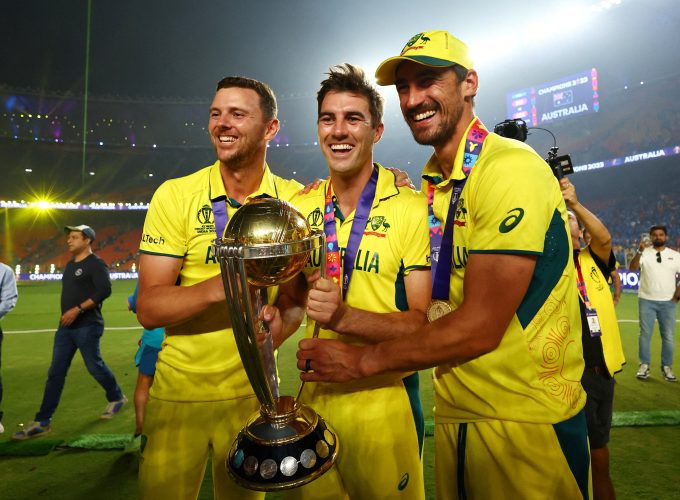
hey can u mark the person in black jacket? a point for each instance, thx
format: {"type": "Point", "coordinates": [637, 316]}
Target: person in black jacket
{"type": "Point", "coordinates": [85, 286]}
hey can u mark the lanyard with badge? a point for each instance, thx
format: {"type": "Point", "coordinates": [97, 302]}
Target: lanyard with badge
{"type": "Point", "coordinates": [441, 243]}
{"type": "Point", "coordinates": [591, 313]}
{"type": "Point", "coordinates": [356, 233]}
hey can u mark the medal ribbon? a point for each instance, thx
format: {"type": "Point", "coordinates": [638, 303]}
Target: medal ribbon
{"type": "Point", "coordinates": [441, 242]}
{"type": "Point", "coordinates": [219, 208]}
{"type": "Point", "coordinates": [356, 233]}
{"type": "Point", "coordinates": [580, 282]}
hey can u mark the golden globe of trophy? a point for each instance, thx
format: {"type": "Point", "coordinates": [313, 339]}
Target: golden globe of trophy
{"type": "Point", "coordinates": [286, 444]}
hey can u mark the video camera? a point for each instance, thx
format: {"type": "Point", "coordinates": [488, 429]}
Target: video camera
{"type": "Point", "coordinates": [516, 128]}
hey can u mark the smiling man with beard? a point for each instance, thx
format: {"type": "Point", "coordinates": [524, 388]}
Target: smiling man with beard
{"type": "Point", "coordinates": [201, 396]}
{"type": "Point", "coordinates": [505, 330]}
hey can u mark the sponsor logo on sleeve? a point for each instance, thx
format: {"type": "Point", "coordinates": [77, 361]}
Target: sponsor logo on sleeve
{"type": "Point", "coordinates": [510, 222]}
{"type": "Point", "coordinates": [153, 240]}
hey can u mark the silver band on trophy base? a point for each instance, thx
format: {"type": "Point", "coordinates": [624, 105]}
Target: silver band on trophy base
{"type": "Point", "coordinates": [437, 309]}
{"type": "Point", "coordinates": [286, 444]}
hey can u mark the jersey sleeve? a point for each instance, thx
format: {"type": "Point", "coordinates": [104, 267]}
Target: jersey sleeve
{"type": "Point", "coordinates": [415, 236]}
{"type": "Point", "coordinates": [514, 199]}
{"type": "Point", "coordinates": [164, 232]}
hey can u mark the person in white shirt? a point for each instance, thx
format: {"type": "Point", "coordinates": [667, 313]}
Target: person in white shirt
{"type": "Point", "coordinates": [658, 296]}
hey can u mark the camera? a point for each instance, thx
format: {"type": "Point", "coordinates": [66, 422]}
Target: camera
{"type": "Point", "coordinates": [560, 165]}
{"type": "Point", "coordinates": [516, 128]}
{"type": "Point", "coordinates": [512, 129]}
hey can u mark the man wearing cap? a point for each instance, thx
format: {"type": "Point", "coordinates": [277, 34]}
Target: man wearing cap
{"type": "Point", "coordinates": [505, 331]}
{"type": "Point", "coordinates": [85, 286]}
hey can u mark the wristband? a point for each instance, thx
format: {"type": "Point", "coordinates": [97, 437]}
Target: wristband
{"type": "Point", "coordinates": [80, 308]}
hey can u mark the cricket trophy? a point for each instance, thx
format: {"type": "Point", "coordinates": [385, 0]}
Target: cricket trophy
{"type": "Point", "coordinates": [286, 444]}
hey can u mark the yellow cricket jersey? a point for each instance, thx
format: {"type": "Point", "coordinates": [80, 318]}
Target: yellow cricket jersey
{"type": "Point", "coordinates": [512, 204]}
{"type": "Point", "coordinates": [395, 242]}
{"type": "Point", "coordinates": [199, 360]}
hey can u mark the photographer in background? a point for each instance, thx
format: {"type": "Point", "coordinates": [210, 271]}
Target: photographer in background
{"type": "Point", "coordinates": [601, 339]}
{"type": "Point", "coordinates": [658, 297]}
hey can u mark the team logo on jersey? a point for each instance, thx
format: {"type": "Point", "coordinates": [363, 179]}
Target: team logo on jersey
{"type": "Point", "coordinates": [596, 279]}
{"type": "Point", "coordinates": [460, 218]}
{"type": "Point", "coordinates": [204, 215]}
{"type": "Point", "coordinates": [513, 218]}
{"type": "Point", "coordinates": [403, 483]}
{"type": "Point", "coordinates": [315, 219]}
{"type": "Point", "coordinates": [377, 226]}
{"type": "Point", "coordinates": [411, 44]}
{"type": "Point", "coordinates": [79, 272]}
{"type": "Point", "coordinates": [205, 218]}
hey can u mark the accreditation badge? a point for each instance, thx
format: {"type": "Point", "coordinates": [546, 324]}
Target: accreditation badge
{"type": "Point", "coordinates": [437, 309]}
{"type": "Point", "coordinates": [593, 323]}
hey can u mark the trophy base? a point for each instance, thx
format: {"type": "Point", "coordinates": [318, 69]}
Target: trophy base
{"type": "Point", "coordinates": [282, 449]}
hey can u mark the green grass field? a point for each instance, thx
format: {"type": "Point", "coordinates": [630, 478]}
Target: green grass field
{"type": "Point", "coordinates": [644, 459]}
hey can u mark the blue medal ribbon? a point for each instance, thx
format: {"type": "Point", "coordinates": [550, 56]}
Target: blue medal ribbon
{"type": "Point", "coordinates": [356, 233]}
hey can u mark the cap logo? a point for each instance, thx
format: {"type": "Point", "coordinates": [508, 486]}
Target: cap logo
{"type": "Point", "coordinates": [413, 40]}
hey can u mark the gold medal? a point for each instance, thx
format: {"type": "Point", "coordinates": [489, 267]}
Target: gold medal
{"type": "Point", "coordinates": [437, 309]}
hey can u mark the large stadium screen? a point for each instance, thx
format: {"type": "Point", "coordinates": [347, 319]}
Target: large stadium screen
{"type": "Point", "coordinates": [547, 102]}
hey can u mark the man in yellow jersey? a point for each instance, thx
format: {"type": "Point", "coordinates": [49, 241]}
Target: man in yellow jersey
{"type": "Point", "coordinates": [201, 396]}
{"type": "Point", "coordinates": [377, 286]}
{"type": "Point", "coordinates": [505, 331]}
{"type": "Point", "coordinates": [602, 350]}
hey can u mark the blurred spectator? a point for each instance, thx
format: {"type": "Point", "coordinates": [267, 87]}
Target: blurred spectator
{"type": "Point", "coordinates": [658, 297]}
{"type": "Point", "coordinates": [145, 360]}
{"type": "Point", "coordinates": [8, 299]}
{"type": "Point", "coordinates": [85, 286]}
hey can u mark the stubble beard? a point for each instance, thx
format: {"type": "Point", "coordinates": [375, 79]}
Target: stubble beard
{"type": "Point", "coordinates": [243, 157]}
{"type": "Point", "coordinates": [442, 134]}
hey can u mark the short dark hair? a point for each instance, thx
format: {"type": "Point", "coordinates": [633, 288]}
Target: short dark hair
{"type": "Point", "coordinates": [659, 227]}
{"type": "Point", "coordinates": [267, 97]}
{"type": "Point", "coordinates": [460, 72]}
{"type": "Point", "coordinates": [348, 78]}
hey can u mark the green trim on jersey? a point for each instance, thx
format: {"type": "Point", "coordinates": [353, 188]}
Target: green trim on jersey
{"type": "Point", "coordinates": [412, 386]}
{"type": "Point", "coordinates": [400, 299]}
{"type": "Point", "coordinates": [512, 252]}
{"type": "Point", "coordinates": [162, 254]}
{"type": "Point", "coordinates": [572, 436]}
{"type": "Point", "coordinates": [548, 270]}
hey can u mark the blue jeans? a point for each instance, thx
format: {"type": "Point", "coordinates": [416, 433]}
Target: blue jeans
{"type": "Point", "coordinates": [665, 311]}
{"type": "Point", "coordinates": [66, 342]}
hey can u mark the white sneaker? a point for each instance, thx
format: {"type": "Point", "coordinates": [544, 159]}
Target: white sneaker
{"type": "Point", "coordinates": [668, 374]}
{"type": "Point", "coordinates": [643, 371]}
{"type": "Point", "coordinates": [112, 408]}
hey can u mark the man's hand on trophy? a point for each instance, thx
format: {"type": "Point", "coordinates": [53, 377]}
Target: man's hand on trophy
{"type": "Point", "coordinates": [325, 360]}
{"type": "Point", "coordinates": [270, 314]}
{"type": "Point", "coordinates": [324, 302]}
